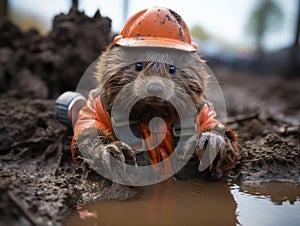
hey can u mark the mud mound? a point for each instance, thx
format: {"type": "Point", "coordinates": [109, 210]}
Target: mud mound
{"type": "Point", "coordinates": [47, 66]}
{"type": "Point", "coordinates": [267, 119]}
{"type": "Point", "coordinates": [34, 160]}
{"type": "Point", "coordinates": [272, 148]}
{"type": "Point", "coordinates": [275, 157]}
{"type": "Point", "coordinates": [28, 128]}
{"type": "Point", "coordinates": [39, 183]}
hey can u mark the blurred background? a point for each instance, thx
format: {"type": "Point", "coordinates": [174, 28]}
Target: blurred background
{"type": "Point", "coordinates": [233, 29]}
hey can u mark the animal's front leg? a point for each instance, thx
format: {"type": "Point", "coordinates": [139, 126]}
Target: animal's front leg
{"type": "Point", "coordinates": [96, 148]}
{"type": "Point", "coordinates": [208, 147]}
{"type": "Point", "coordinates": [103, 154]}
{"type": "Point", "coordinates": [214, 151]}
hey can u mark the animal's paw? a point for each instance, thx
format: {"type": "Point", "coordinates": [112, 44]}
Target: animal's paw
{"type": "Point", "coordinates": [103, 154]}
{"type": "Point", "coordinates": [209, 146]}
{"type": "Point", "coordinates": [216, 152]}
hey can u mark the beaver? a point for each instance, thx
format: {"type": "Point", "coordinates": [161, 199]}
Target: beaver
{"type": "Point", "coordinates": [156, 81]}
{"type": "Point", "coordinates": [163, 85]}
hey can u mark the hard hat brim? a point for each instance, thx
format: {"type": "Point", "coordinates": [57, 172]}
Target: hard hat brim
{"type": "Point", "coordinates": [155, 42]}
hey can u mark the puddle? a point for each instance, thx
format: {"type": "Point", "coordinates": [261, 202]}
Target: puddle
{"type": "Point", "coordinates": [195, 202]}
{"type": "Point", "coordinates": [273, 203]}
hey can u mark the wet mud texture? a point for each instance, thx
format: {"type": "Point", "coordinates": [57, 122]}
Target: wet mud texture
{"type": "Point", "coordinates": [266, 113]}
{"type": "Point", "coordinates": [39, 183]}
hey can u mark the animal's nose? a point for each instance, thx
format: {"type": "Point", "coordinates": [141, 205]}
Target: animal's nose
{"type": "Point", "coordinates": [155, 88]}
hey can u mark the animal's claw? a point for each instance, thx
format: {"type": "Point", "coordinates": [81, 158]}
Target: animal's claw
{"type": "Point", "coordinates": [102, 155]}
{"type": "Point", "coordinates": [116, 151]}
{"type": "Point", "coordinates": [126, 151]}
{"type": "Point", "coordinates": [207, 149]}
{"type": "Point", "coordinates": [215, 141]}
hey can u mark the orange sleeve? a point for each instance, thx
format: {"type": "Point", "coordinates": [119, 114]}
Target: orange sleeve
{"type": "Point", "coordinates": [206, 119]}
{"type": "Point", "coordinates": [92, 115]}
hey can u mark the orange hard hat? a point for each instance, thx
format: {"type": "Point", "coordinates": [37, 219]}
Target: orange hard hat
{"type": "Point", "coordinates": [156, 27]}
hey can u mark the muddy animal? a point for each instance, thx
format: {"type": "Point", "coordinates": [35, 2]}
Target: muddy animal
{"type": "Point", "coordinates": [152, 71]}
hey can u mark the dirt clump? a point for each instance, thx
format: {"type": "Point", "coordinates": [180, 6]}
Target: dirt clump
{"type": "Point", "coordinates": [55, 62]}
{"type": "Point", "coordinates": [39, 183]}
{"type": "Point", "coordinates": [273, 155]}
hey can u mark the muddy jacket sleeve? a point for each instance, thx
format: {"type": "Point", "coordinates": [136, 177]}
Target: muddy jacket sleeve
{"type": "Point", "coordinates": [206, 119]}
{"type": "Point", "coordinates": [207, 122]}
{"type": "Point", "coordinates": [91, 116]}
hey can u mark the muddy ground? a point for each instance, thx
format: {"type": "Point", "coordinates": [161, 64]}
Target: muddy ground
{"type": "Point", "coordinates": [40, 185]}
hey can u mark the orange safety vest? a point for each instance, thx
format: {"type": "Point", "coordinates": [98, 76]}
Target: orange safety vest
{"type": "Point", "coordinates": [94, 115]}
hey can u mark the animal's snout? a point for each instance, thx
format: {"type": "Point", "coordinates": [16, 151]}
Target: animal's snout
{"type": "Point", "coordinates": [155, 88]}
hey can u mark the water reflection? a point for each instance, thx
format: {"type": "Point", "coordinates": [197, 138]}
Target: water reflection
{"type": "Point", "coordinates": [191, 202]}
{"type": "Point", "coordinates": [196, 202]}
{"type": "Point", "coordinates": [269, 203]}
{"type": "Point", "coordinates": [277, 192]}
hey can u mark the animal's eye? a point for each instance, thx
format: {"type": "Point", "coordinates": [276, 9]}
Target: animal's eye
{"type": "Point", "coordinates": [172, 69]}
{"type": "Point", "coordinates": [139, 66]}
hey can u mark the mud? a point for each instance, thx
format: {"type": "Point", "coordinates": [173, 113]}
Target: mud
{"type": "Point", "coordinates": [54, 63]}
{"type": "Point", "coordinates": [267, 118]}
{"type": "Point", "coordinates": [40, 185]}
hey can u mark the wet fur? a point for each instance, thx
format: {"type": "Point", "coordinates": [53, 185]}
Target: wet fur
{"type": "Point", "coordinates": [117, 70]}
